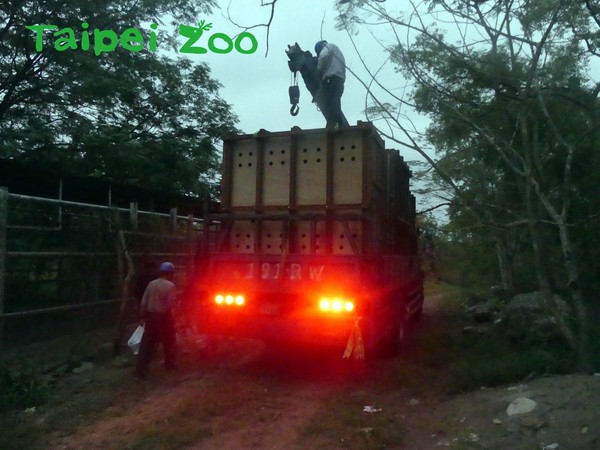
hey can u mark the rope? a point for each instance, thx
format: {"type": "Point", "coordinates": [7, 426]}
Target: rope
{"type": "Point", "coordinates": [355, 344]}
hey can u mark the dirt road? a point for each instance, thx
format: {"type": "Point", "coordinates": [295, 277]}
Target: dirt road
{"type": "Point", "coordinates": [249, 397]}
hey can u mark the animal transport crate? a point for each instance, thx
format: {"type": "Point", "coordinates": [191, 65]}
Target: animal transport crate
{"type": "Point", "coordinates": [345, 193]}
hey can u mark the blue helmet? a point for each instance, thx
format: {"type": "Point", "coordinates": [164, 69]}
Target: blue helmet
{"type": "Point", "coordinates": [319, 46]}
{"type": "Point", "coordinates": [167, 267]}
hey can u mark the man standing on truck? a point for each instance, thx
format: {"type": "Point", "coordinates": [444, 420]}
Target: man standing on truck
{"type": "Point", "coordinates": [159, 299]}
{"type": "Point", "coordinates": [332, 68]}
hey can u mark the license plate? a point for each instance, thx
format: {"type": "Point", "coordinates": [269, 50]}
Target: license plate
{"type": "Point", "coordinates": [270, 309]}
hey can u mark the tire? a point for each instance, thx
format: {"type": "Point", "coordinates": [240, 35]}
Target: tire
{"type": "Point", "coordinates": [418, 314]}
{"type": "Point", "coordinates": [393, 344]}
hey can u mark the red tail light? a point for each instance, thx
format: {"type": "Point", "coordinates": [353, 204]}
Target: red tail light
{"type": "Point", "coordinates": [336, 305]}
{"type": "Point", "coordinates": [227, 299]}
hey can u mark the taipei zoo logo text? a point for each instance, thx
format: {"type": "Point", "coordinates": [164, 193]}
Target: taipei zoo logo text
{"type": "Point", "coordinates": [132, 39]}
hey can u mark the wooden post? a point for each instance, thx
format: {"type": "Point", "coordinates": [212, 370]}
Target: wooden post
{"type": "Point", "coordinates": [173, 214]}
{"type": "Point", "coordinates": [123, 253]}
{"type": "Point", "coordinates": [190, 246]}
{"type": "Point", "coordinates": [3, 214]}
{"type": "Point", "coordinates": [60, 197]}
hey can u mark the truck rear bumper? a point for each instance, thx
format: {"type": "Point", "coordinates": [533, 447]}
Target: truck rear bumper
{"type": "Point", "coordinates": [327, 331]}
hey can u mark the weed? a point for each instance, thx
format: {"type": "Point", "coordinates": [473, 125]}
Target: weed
{"type": "Point", "coordinates": [595, 348]}
{"type": "Point", "coordinates": [21, 387]}
{"type": "Point", "coordinates": [489, 362]}
{"type": "Point", "coordinates": [167, 435]}
{"type": "Point", "coordinates": [447, 361]}
{"type": "Point", "coordinates": [186, 422]}
{"type": "Point", "coordinates": [346, 426]}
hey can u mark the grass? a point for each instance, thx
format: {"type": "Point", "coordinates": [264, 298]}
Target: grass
{"type": "Point", "coordinates": [458, 362]}
{"type": "Point", "coordinates": [595, 346]}
{"type": "Point", "coordinates": [489, 363]}
{"type": "Point", "coordinates": [434, 286]}
{"type": "Point", "coordinates": [340, 420]}
{"type": "Point", "coordinates": [58, 411]}
{"type": "Point", "coordinates": [168, 435]}
{"type": "Point", "coordinates": [441, 361]}
{"type": "Point", "coordinates": [179, 422]}
{"type": "Point", "coordinates": [21, 386]}
{"type": "Point", "coordinates": [186, 422]}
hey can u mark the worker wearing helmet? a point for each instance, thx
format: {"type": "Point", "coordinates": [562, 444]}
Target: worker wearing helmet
{"type": "Point", "coordinates": [159, 299]}
{"type": "Point", "coordinates": [332, 67]}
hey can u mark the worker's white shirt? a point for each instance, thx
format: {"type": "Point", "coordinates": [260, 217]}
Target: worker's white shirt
{"type": "Point", "coordinates": [331, 62]}
{"type": "Point", "coordinates": [160, 296]}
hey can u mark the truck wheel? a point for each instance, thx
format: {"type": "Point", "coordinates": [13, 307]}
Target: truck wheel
{"type": "Point", "coordinates": [393, 345]}
{"type": "Point", "coordinates": [418, 314]}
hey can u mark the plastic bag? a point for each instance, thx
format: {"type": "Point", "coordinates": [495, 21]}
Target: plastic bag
{"type": "Point", "coordinates": [136, 338]}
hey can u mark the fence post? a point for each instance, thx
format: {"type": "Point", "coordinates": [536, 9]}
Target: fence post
{"type": "Point", "coordinates": [3, 223]}
{"type": "Point", "coordinates": [190, 246]}
{"type": "Point", "coordinates": [173, 214]}
{"type": "Point", "coordinates": [133, 215]}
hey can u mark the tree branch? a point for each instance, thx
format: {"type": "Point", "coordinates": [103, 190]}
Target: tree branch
{"type": "Point", "coordinates": [266, 25]}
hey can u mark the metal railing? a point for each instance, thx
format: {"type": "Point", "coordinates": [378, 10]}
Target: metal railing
{"type": "Point", "coordinates": [176, 239]}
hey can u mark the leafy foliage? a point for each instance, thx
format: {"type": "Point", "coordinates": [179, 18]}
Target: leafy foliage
{"type": "Point", "coordinates": [514, 118]}
{"type": "Point", "coordinates": [136, 117]}
{"type": "Point", "coordinates": [491, 128]}
{"type": "Point", "coordinates": [21, 387]}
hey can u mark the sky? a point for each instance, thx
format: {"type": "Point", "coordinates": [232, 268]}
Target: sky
{"type": "Point", "coordinates": [257, 86]}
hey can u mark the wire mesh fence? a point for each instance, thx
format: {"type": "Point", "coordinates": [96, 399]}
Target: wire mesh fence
{"type": "Point", "coordinates": [63, 264]}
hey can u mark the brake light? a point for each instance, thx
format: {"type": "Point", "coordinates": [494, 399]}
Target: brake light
{"type": "Point", "coordinates": [230, 299]}
{"type": "Point", "coordinates": [336, 305]}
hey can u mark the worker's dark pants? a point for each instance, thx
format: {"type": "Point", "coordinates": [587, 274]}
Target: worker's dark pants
{"type": "Point", "coordinates": [159, 327]}
{"type": "Point", "coordinates": [333, 88]}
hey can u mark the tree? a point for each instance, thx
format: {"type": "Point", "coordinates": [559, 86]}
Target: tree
{"type": "Point", "coordinates": [132, 116]}
{"type": "Point", "coordinates": [514, 119]}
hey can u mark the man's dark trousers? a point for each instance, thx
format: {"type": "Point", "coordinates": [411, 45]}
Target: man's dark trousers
{"type": "Point", "coordinates": [159, 327]}
{"type": "Point", "coordinates": [333, 88]}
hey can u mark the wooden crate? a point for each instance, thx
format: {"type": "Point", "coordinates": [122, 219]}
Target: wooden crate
{"type": "Point", "coordinates": [302, 169]}
{"type": "Point", "coordinates": [345, 192]}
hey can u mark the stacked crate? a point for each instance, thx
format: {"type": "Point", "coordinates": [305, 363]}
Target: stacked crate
{"type": "Point", "coordinates": [314, 192]}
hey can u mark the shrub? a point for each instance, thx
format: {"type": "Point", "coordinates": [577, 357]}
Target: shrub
{"type": "Point", "coordinates": [21, 387]}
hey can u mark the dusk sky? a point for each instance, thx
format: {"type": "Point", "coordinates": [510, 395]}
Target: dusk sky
{"type": "Point", "coordinates": [257, 86]}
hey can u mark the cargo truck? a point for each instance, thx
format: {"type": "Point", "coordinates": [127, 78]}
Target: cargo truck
{"type": "Point", "coordinates": [315, 241]}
